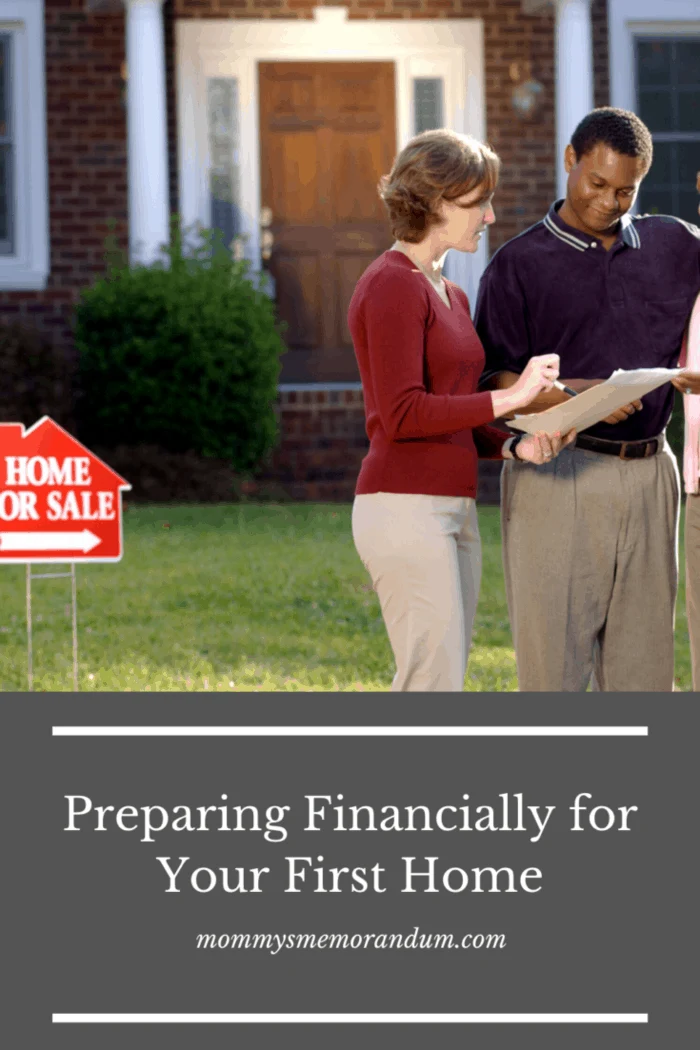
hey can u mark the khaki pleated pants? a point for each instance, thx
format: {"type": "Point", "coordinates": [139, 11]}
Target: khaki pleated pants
{"type": "Point", "coordinates": [423, 554]}
{"type": "Point", "coordinates": [590, 551]}
{"type": "Point", "coordinates": [692, 582]}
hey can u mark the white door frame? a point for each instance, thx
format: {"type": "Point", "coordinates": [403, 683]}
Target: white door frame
{"type": "Point", "coordinates": [629, 19]}
{"type": "Point", "coordinates": [448, 48]}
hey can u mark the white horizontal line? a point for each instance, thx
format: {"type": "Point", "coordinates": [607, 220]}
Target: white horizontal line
{"type": "Point", "coordinates": [350, 731]}
{"type": "Point", "coordinates": [350, 1018]}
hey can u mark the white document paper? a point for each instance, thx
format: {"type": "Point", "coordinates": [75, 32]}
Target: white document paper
{"type": "Point", "coordinates": [595, 404]}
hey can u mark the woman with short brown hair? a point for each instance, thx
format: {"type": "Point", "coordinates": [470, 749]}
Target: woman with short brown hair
{"type": "Point", "coordinates": [435, 166]}
{"type": "Point", "coordinates": [414, 516]}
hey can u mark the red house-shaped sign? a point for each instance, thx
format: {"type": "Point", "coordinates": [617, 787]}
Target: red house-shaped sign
{"type": "Point", "coordinates": [58, 502]}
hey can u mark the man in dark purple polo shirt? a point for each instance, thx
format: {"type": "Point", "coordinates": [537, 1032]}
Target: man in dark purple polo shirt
{"type": "Point", "coordinates": [590, 540]}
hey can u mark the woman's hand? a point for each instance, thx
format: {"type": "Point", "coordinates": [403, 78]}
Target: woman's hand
{"type": "Point", "coordinates": [542, 448]}
{"type": "Point", "coordinates": [539, 375]}
{"type": "Point", "coordinates": [687, 382]}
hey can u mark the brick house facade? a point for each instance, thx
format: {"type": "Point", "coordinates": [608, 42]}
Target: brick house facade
{"type": "Point", "coordinates": [87, 172]}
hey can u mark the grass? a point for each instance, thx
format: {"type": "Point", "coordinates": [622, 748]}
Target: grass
{"type": "Point", "coordinates": [238, 597]}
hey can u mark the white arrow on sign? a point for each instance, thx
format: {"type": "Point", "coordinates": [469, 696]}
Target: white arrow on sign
{"type": "Point", "coordinates": [49, 541]}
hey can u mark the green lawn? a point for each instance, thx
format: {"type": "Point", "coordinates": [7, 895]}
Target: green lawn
{"type": "Point", "coordinates": [237, 597]}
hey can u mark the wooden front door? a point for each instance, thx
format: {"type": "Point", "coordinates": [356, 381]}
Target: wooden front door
{"type": "Point", "coordinates": [327, 135]}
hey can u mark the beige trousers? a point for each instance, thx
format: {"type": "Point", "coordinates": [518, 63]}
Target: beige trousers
{"type": "Point", "coordinates": [590, 551]}
{"type": "Point", "coordinates": [692, 582]}
{"type": "Point", "coordinates": [424, 556]}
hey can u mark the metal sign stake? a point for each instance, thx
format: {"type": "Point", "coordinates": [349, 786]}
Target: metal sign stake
{"type": "Point", "coordinates": [74, 618]}
{"type": "Point", "coordinates": [30, 673]}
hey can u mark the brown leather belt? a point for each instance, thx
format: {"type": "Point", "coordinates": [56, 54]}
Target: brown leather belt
{"type": "Point", "coordinates": [623, 449]}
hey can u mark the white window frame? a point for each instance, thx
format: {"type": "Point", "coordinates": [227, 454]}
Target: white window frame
{"type": "Point", "coordinates": [438, 78]}
{"type": "Point", "coordinates": [452, 49]}
{"type": "Point", "coordinates": [28, 267]}
{"type": "Point", "coordinates": [630, 19]}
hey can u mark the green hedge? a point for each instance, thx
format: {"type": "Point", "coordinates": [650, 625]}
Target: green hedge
{"type": "Point", "coordinates": [182, 355]}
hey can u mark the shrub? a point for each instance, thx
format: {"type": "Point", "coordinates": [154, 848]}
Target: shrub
{"type": "Point", "coordinates": [182, 355]}
{"type": "Point", "coordinates": [37, 377]}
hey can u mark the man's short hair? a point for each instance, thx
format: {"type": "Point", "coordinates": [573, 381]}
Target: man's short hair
{"type": "Point", "coordinates": [619, 129]}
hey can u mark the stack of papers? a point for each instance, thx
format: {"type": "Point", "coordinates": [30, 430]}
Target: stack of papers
{"type": "Point", "coordinates": [595, 404]}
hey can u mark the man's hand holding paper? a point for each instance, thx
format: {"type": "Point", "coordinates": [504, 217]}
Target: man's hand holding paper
{"type": "Point", "coordinates": [620, 414]}
{"type": "Point", "coordinates": [600, 401]}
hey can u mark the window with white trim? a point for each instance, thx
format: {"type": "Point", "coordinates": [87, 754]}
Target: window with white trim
{"type": "Point", "coordinates": [427, 104]}
{"type": "Point", "coordinates": [24, 231]}
{"type": "Point", "coordinates": [668, 101]}
{"type": "Point", "coordinates": [224, 162]}
{"type": "Point", "coordinates": [6, 152]}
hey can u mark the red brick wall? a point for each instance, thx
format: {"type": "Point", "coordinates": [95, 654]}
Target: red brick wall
{"type": "Point", "coordinates": [324, 443]}
{"type": "Point", "coordinates": [86, 156]}
{"type": "Point", "coordinates": [323, 446]}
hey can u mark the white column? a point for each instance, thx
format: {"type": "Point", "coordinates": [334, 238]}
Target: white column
{"type": "Point", "coordinates": [574, 74]}
{"type": "Point", "coordinates": [147, 132]}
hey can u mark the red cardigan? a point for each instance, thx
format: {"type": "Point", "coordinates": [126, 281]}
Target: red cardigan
{"type": "Point", "coordinates": [420, 364]}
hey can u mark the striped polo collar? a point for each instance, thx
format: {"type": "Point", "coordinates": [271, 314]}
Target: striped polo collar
{"type": "Point", "coordinates": [578, 240]}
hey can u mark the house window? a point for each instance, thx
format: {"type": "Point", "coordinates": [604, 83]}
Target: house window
{"type": "Point", "coordinates": [224, 162]}
{"type": "Point", "coordinates": [24, 219]}
{"type": "Point", "coordinates": [6, 152]}
{"type": "Point", "coordinates": [427, 104]}
{"type": "Point", "coordinates": [668, 101]}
